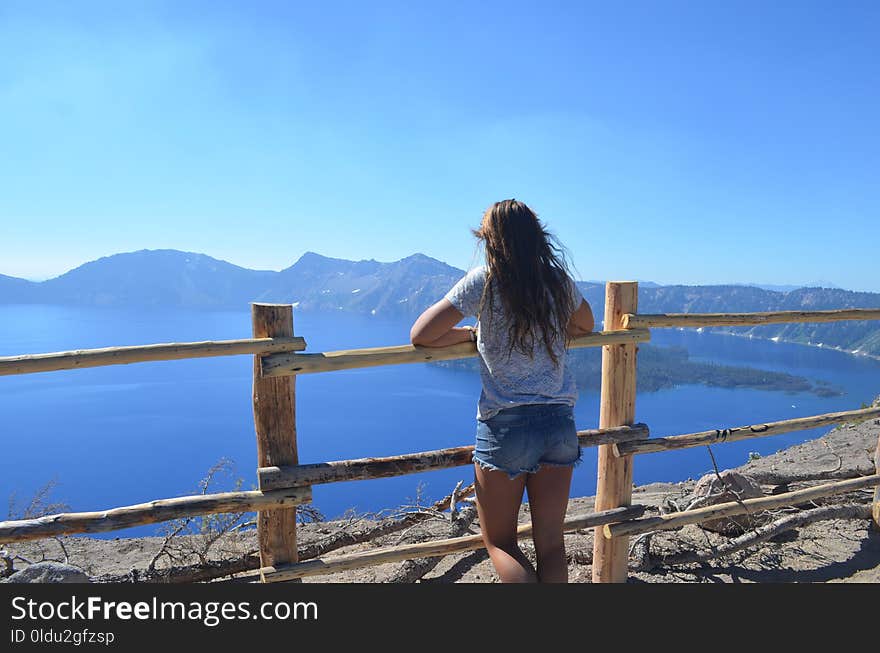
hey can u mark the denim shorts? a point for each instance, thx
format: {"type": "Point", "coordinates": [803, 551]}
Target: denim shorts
{"type": "Point", "coordinates": [522, 438]}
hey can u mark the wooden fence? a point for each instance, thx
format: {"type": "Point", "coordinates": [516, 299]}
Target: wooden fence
{"type": "Point", "coordinates": [285, 483]}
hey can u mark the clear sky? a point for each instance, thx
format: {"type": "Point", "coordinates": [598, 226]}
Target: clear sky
{"type": "Point", "coordinates": [680, 142]}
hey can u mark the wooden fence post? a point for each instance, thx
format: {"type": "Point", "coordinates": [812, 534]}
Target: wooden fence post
{"type": "Point", "coordinates": [875, 508]}
{"type": "Point", "coordinates": [617, 407]}
{"type": "Point", "coordinates": [275, 424]}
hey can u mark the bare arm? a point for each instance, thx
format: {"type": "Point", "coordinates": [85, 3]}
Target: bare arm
{"type": "Point", "coordinates": [436, 326]}
{"type": "Point", "coordinates": [581, 322]}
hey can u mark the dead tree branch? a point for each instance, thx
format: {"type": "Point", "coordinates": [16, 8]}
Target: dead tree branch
{"type": "Point", "coordinates": [764, 533]}
{"type": "Point", "coordinates": [211, 570]}
{"type": "Point", "coordinates": [412, 570]}
{"type": "Point", "coordinates": [344, 538]}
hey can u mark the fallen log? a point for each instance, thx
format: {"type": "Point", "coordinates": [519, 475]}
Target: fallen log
{"type": "Point", "coordinates": [197, 573]}
{"type": "Point", "coordinates": [781, 478]}
{"type": "Point", "coordinates": [679, 519]}
{"type": "Point", "coordinates": [764, 533]}
{"type": "Point", "coordinates": [412, 570]}
{"type": "Point", "coordinates": [386, 527]}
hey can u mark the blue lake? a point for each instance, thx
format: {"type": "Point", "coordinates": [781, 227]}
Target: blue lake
{"type": "Point", "coordinates": [126, 434]}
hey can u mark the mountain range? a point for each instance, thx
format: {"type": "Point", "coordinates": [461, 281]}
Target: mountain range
{"type": "Point", "coordinates": [168, 278]}
{"type": "Point", "coordinates": [175, 279]}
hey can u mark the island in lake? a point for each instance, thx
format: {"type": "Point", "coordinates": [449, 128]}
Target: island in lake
{"type": "Point", "coordinates": [660, 368]}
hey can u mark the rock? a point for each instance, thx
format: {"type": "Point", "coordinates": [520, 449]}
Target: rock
{"type": "Point", "coordinates": [49, 572]}
{"type": "Point", "coordinates": [709, 491]}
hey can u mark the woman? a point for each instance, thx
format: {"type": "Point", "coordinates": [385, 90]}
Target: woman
{"type": "Point", "coordinates": [527, 307]}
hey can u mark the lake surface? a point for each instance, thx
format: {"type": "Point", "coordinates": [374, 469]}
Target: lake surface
{"type": "Point", "coordinates": [126, 434]}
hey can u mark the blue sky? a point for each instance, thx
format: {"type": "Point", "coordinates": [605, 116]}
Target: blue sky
{"type": "Point", "coordinates": [681, 142]}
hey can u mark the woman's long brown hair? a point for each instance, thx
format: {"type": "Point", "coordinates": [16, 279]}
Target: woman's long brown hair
{"type": "Point", "coordinates": [530, 274]}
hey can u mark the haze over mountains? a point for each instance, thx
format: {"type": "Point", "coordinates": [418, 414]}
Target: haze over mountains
{"type": "Point", "coordinates": [175, 279]}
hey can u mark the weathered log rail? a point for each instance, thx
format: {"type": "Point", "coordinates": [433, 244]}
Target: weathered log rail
{"type": "Point", "coordinates": [284, 483]}
{"type": "Point", "coordinates": [668, 320]}
{"type": "Point", "coordinates": [716, 436]}
{"type": "Point", "coordinates": [365, 468]}
{"type": "Point", "coordinates": [70, 360]}
{"type": "Point", "coordinates": [150, 513]}
{"type": "Point", "coordinates": [288, 364]}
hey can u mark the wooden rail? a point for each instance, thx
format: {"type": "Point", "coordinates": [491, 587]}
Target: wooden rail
{"type": "Point", "coordinates": [275, 477]}
{"type": "Point", "coordinates": [287, 364]}
{"type": "Point", "coordinates": [149, 513]}
{"type": "Point", "coordinates": [319, 566]}
{"type": "Point", "coordinates": [664, 320]}
{"type": "Point", "coordinates": [715, 436]}
{"type": "Point", "coordinates": [70, 360]}
{"type": "Point", "coordinates": [679, 519]}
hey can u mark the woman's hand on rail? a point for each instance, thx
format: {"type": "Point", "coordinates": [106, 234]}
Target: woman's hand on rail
{"type": "Point", "coordinates": [436, 326]}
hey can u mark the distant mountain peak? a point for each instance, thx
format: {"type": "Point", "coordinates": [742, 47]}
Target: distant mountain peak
{"type": "Point", "coordinates": [316, 262]}
{"type": "Point", "coordinates": [315, 256]}
{"type": "Point", "coordinates": [822, 284]}
{"type": "Point", "coordinates": [310, 255]}
{"type": "Point", "coordinates": [167, 257]}
{"type": "Point", "coordinates": [418, 256]}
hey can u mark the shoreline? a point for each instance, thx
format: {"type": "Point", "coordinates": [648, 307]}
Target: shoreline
{"type": "Point", "coordinates": [850, 352]}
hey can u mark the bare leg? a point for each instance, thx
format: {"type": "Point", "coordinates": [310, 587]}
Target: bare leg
{"type": "Point", "coordinates": [498, 502]}
{"type": "Point", "coordinates": [548, 500]}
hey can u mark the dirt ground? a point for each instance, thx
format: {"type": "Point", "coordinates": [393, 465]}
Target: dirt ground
{"type": "Point", "coordinates": [845, 550]}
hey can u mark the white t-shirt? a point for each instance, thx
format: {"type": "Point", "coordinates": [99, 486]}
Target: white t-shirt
{"type": "Point", "coordinates": [512, 379]}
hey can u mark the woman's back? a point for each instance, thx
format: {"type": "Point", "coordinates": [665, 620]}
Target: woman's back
{"type": "Point", "coordinates": [510, 376]}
